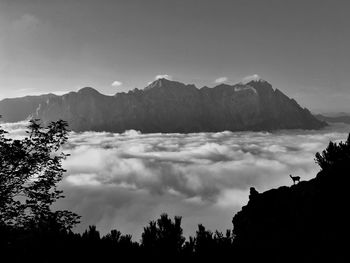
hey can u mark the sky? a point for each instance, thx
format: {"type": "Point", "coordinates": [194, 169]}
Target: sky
{"type": "Point", "coordinates": [300, 47]}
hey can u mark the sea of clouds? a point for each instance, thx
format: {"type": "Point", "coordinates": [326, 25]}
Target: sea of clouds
{"type": "Point", "coordinates": [125, 180]}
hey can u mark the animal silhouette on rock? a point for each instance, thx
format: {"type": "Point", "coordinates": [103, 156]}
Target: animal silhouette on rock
{"type": "Point", "coordinates": [296, 179]}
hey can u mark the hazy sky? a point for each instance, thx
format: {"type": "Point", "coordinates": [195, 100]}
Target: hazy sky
{"type": "Point", "coordinates": [301, 47]}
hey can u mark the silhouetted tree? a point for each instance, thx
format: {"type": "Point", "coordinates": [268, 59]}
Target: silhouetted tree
{"type": "Point", "coordinates": [163, 236]}
{"type": "Point", "coordinates": [203, 240]}
{"type": "Point", "coordinates": [188, 250]}
{"type": "Point", "coordinates": [30, 170]}
{"type": "Point", "coordinates": [113, 236]}
{"type": "Point", "coordinates": [208, 245]}
{"type": "Point", "coordinates": [92, 234]}
{"type": "Point", "coordinates": [334, 155]}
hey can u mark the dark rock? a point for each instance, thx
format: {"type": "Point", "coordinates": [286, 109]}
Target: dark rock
{"type": "Point", "coordinates": [307, 222]}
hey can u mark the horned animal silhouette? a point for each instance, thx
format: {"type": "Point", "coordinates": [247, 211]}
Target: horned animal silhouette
{"type": "Point", "coordinates": [296, 179]}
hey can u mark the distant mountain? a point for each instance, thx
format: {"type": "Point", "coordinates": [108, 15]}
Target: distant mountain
{"type": "Point", "coordinates": [169, 106]}
{"type": "Point", "coordinates": [19, 109]}
{"type": "Point", "coordinates": [332, 119]}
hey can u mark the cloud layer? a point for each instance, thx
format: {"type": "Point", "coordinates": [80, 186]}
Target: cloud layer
{"type": "Point", "coordinates": [221, 80]}
{"type": "Point", "coordinates": [124, 180]}
{"type": "Point", "coordinates": [116, 83]}
{"type": "Point", "coordinates": [163, 76]}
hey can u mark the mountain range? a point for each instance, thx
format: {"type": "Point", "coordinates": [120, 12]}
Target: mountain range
{"type": "Point", "coordinates": [168, 106]}
{"type": "Point", "coordinates": [343, 118]}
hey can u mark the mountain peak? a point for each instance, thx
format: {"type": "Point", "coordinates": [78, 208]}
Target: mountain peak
{"type": "Point", "coordinates": [88, 90]}
{"type": "Point", "coordinates": [261, 86]}
{"type": "Point", "coordinates": [157, 83]}
{"type": "Point", "coordinates": [258, 81]}
{"type": "Point", "coordinates": [162, 81]}
{"type": "Point", "coordinates": [252, 78]}
{"type": "Point", "coordinates": [165, 83]}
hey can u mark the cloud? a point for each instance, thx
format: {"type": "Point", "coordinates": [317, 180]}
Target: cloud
{"type": "Point", "coordinates": [116, 83]}
{"type": "Point", "coordinates": [164, 76]}
{"type": "Point", "coordinates": [16, 130]}
{"type": "Point", "coordinates": [251, 78]}
{"type": "Point", "coordinates": [221, 80]}
{"type": "Point", "coordinates": [58, 92]}
{"type": "Point", "coordinates": [125, 180]}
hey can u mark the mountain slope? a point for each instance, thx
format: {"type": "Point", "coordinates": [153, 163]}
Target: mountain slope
{"type": "Point", "coordinates": [18, 109]}
{"type": "Point", "coordinates": [306, 222]}
{"type": "Point", "coordinates": [170, 106]}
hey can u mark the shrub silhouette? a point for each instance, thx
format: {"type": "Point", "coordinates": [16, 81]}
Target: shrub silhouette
{"type": "Point", "coordinates": [209, 245]}
{"type": "Point", "coordinates": [163, 237]}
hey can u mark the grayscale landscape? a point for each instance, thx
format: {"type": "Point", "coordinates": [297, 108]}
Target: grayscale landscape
{"type": "Point", "coordinates": [180, 131]}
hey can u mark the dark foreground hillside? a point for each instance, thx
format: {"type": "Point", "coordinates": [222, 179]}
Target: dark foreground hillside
{"type": "Point", "coordinates": [307, 222]}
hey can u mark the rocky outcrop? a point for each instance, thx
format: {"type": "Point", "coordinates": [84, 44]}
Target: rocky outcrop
{"type": "Point", "coordinates": [306, 222]}
{"type": "Point", "coordinates": [170, 106]}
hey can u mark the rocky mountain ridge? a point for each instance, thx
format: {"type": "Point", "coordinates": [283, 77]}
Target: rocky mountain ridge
{"type": "Point", "coordinates": [334, 119]}
{"type": "Point", "coordinates": [168, 106]}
